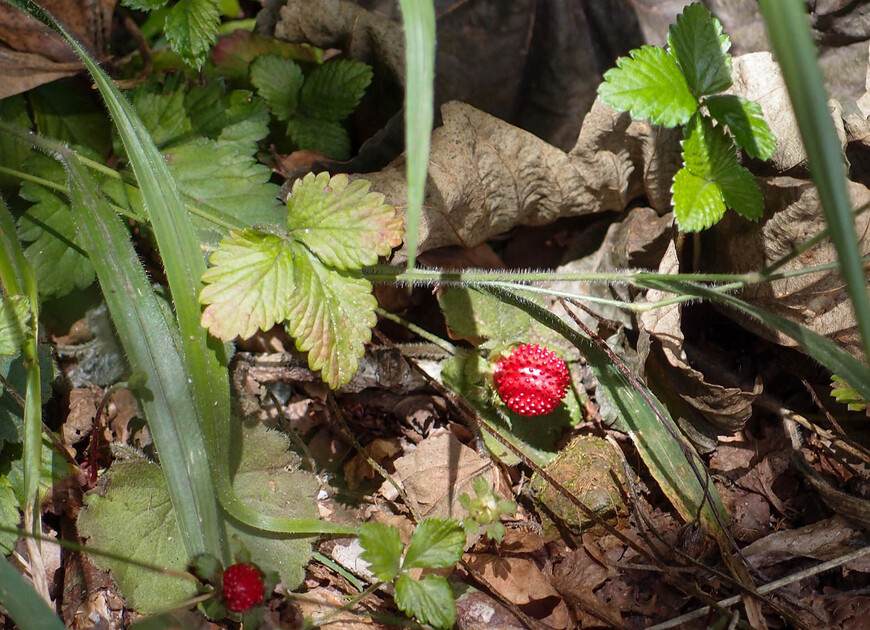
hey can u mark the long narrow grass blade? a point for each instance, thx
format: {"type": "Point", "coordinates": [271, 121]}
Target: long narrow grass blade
{"type": "Point", "coordinates": [419, 19]}
{"type": "Point", "coordinates": [792, 42]}
{"type": "Point", "coordinates": [684, 482]}
{"type": "Point", "coordinates": [18, 278]}
{"type": "Point", "coordinates": [26, 608]}
{"type": "Point", "coordinates": [153, 350]}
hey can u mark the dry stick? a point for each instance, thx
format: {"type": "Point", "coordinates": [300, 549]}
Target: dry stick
{"type": "Point", "coordinates": [335, 409]}
{"type": "Point", "coordinates": [772, 586]}
{"type": "Point", "coordinates": [703, 479]}
{"type": "Point", "coordinates": [844, 439]}
{"type": "Point", "coordinates": [475, 423]}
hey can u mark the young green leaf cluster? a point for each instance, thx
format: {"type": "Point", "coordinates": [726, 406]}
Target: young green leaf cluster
{"type": "Point", "coordinates": [845, 394]}
{"type": "Point", "coordinates": [485, 509]}
{"type": "Point", "coordinates": [304, 275]}
{"type": "Point", "coordinates": [435, 543]}
{"type": "Point", "coordinates": [313, 106]}
{"type": "Point", "coordinates": [682, 85]}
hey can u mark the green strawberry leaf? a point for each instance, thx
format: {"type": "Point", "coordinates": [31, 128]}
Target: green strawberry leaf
{"type": "Point", "coordinates": [330, 315]}
{"type": "Point", "coordinates": [436, 542]}
{"type": "Point", "coordinates": [71, 115]}
{"type": "Point", "coordinates": [429, 600]}
{"type": "Point", "coordinates": [845, 394]}
{"type": "Point", "coordinates": [712, 179]}
{"type": "Point", "coordinates": [278, 80]}
{"type": "Point", "coordinates": [161, 106]}
{"type": "Point", "coordinates": [191, 29]}
{"type": "Point", "coordinates": [14, 323]}
{"type": "Point", "coordinates": [215, 174]}
{"type": "Point", "coordinates": [300, 276]}
{"type": "Point", "coordinates": [697, 43]}
{"type": "Point", "coordinates": [344, 224]}
{"type": "Point", "coordinates": [13, 153]}
{"type": "Point", "coordinates": [649, 84]}
{"type": "Point", "coordinates": [247, 284]}
{"type": "Point", "coordinates": [333, 90]}
{"type": "Point", "coordinates": [741, 192]}
{"type": "Point", "coordinates": [233, 118]}
{"type": "Point", "coordinates": [324, 136]}
{"type": "Point", "coordinates": [698, 203]}
{"type": "Point", "coordinates": [59, 263]}
{"type": "Point", "coordinates": [745, 120]}
{"type": "Point", "coordinates": [383, 549]}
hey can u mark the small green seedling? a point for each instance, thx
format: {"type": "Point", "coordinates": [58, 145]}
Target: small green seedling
{"type": "Point", "coordinates": [436, 543]}
{"type": "Point", "coordinates": [845, 394]}
{"type": "Point", "coordinates": [485, 509]}
{"type": "Point", "coordinates": [682, 85]}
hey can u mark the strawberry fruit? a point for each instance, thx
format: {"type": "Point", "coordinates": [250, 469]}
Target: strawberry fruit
{"type": "Point", "coordinates": [242, 587]}
{"type": "Point", "coordinates": [531, 380]}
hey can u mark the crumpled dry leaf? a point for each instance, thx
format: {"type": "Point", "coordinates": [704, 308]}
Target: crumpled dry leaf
{"type": "Point", "coordinates": [31, 54]}
{"type": "Point", "coordinates": [434, 475]}
{"type": "Point", "coordinates": [794, 214]}
{"type": "Point", "coordinates": [520, 581]}
{"type": "Point", "coordinates": [727, 408]}
{"type": "Point", "coordinates": [757, 77]}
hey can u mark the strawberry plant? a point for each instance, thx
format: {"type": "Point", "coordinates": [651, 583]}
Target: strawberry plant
{"type": "Point", "coordinates": [683, 84]}
{"type": "Point", "coordinates": [435, 543]}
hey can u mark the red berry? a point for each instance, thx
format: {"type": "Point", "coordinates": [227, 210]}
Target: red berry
{"type": "Point", "coordinates": [531, 380]}
{"type": "Point", "coordinates": [243, 587]}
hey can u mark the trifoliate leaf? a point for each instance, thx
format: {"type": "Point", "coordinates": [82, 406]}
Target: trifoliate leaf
{"type": "Point", "coordinates": [699, 46]}
{"type": "Point", "coordinates": [429, 600]}
{"type": "Point", "coordinates": [191, 28]}
{"type": "Point", "coordinates": [333, 90]}
{"type": "Point", "coordinates": [330, 316]}
{"type": "Point", "coordinates": [436, 542]}
{"type": "Point", "coordinates": [711, 179]}
{"type": "Point", "coordinates": [14, 323]}
{"type": "Point", "coordinates": [741, 192]}
{"type": "Point", "coordinates": [161, 107]}
{"type": "Point", "coordinates": [698, 202]}
{"type": "Point", "coordinates": [383, 549]}
{"type": "Point", "coordinates": [324, 136]}
{"type": "Point", "coordinates": [746, 121]}
{"type": "Point", "coordinates": [344, 224]}
{"type": "Point", "coordinates": [278, 80]}
{"type": "Point", "coordinates": [60, 264]}
{"type": "Point", "coordinates": [248, 284]}
{"type": "Point", "coordinates": [649, 84]}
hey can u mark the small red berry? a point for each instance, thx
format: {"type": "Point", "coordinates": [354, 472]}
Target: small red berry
{"type": "Point", "coordinates": [531, 380]}
{"type": "Point", "coordinates": [243, 587]}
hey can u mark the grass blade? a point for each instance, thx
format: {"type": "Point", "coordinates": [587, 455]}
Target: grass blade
{"type": "Point", "coordinates": [25, 606]}
{"type": "Point", "coordinates": [419, 19]}
{"type": "Point", "coordinates": [792, 42]}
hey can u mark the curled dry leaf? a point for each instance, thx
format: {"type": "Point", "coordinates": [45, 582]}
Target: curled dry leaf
{"type": "Point", "coordinates": [727, 408]}
{"type": "Point", "coordinates": [31, 54]}
{"type": "Point", "coordinates": [818, 301]}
